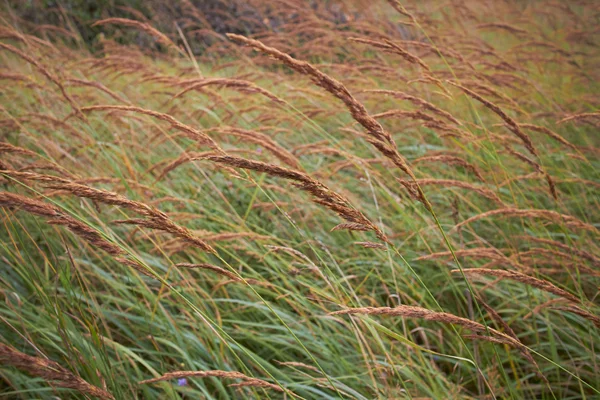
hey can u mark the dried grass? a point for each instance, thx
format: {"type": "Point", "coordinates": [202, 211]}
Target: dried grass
{"type": "Point", "coordinates": [238, 84]}
{"type": "Point", "coordinates": [192, 133]}
{"type": "Point", "coordinates": [451, 160]}
{"type": "Point", "coordinates": [156, 219]}
{"type": "Point", "coordinates": [549, 215]}
{"type": "Point", "coordinates": [581, 312]}
{"type": "Point", "coordinates": [520, 277]}
{"type": "Point", "coordinates": [44, 71]}
{"type": "Point", "coordinates": [429, 315]}
{"type": "Point", "coordinates": [455, 183]}
{"type": "Point", "coordinates": [379, 138]}
{"type": "Point", "coordinates": [322, 194]}
{"type": "Point", "coordinates": [50, 371]}
{"type": "Point", "coordinates": [246, 380]}
{"type": "Point", "coordinates": [512, 124]}
{"type": "Point", "coordinates": [57, 217]}
{"type": "Point", "coordinates": [142, 26]}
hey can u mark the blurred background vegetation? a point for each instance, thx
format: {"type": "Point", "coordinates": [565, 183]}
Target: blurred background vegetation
{"type": "Point", "coordinates": [231, 16]}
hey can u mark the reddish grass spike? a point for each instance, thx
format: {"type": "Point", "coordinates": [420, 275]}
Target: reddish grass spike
{"type": "Point", "coordinates": [423, 313]}
{"type": "Point", "coordinates": [487, 339]}
{"type": "Point", "coordinates": [49, 371]}
{"type": "Point", "coordinates": [452, 160]}
{"type": "Point", "coordinates": [407, 56]}
{"type": "Point", "coordinates": [474, 253]}
{"type": "Point", "coordinates": [239, 84]}
{"type": "Point", "coordinates": [524, 350]}
{"type": "Point", "coordinates": [298, 364]}
{"type": "Point", "coordinates": [461, 184]}
{"type": "Point", "coordinates": [323, 195]}
{"type": "Point", "coordinates": [214, 268]}
{"type": "Point", "coordinates": [506, 27]}
{"type": "Point", "coordinates": [582, 116]}
{"type": "Point", "coordinates": [57, 217]}
{"type": "Point", "coordinates": [539, 169]}
{"type": "Point", "coordinates": [161, 37]}
{"type": "Point", "coordinates": [581, 253]}
{"type": "Point", "coordinates": [9, 148]}
{"type": "Point", "coordinates": [520, 277]}
{"type": "Point", "coordinates": [549, 133]}
{"type": "Point", "coordinates": [99, 86]}
{"type": "Point", "coordinates": [549, 215]}
{"type": "Point", "coordinates": [188, 130]}
{"type": "Point", "coordinates": [265, 141]}
{"type": "Point", "coordinates": [392, 47]}
{"type": "Point", "coordinates": [416, 101]}
{"type": "Point", "coordinates": [183, 158]}
{"type": "Point", "coordinates": [248, 381]}
{"type": "Point", "coordinates": [379, 138]}
{"type": "Point", "coordinates": [581, 312]}
{"type": "Point", "coordinates": [371, 245]}
{"type": "Point", "coordinates": [513, 126]}
{"type": "Point", "coordinates": [351, 227]}
{"type": "Point", "coordinates": [400, 9]}
{"type": "Point", "coordinates": [156, 219]}
{"type": "Point", "coordinates": [50, 76]}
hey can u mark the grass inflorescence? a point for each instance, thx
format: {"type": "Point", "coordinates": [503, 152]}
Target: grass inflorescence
{"type": "Point", "coordinates": [393, 199]}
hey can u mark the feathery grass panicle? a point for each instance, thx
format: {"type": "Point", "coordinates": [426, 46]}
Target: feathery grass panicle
{"type": "Point", "coordinates": [416, 101]}
{"type": "Point", "coordinates": [188, 130]}
{"type": "Point", "coordinates": [156, 219]}
{"type": "Point", "coordinates": [214, 268]}
{"type": "Point", "coordinates": [520, 277]}
{"type": "Point", "coordinates": [49, 371]}
{"type": "Point", "coordinates": [476, 253]}
{"type": "Point", "coordinates": [556, 244]}
{"type": "Point", "coordinates": [429, 315]}
{"type": "Point", "coordinates": [451, 160]}
{"type": "Point", "coordinates": [402, 10]}
{"type": "Point", "coordinates": [506, 27]}
{"type": "Point", "coordinates": [56, 216]}
{"type": "Point", "coordinates": [539, 169]}
{"type": "Point", "coordinates": [44, 71]}
{"type": "Point", "coordinates": [512, 124]}
{"type": "Point", "coordinates": [246, 380]}
{"type": "Point", "coordinates": [9, 148]}
{"type": "Point", "coordinates": [144, 27]}
{"type": "Point", "coordinates": [323, 195]}
{"type": "Point", "coordinates": [579, 117]}
{"type": "Point", "coordinates": [97, 85]}
{"type": "Point", "coordinates": [456, 183]}
{"type": "Point", "coordinates": [238, 84]}
{"type": "Point", "coordinates": [546, 131]}
{"type": "Point", "coordinates": [264, 141]}
{"type": "Point", "coordinates": [371, 245]}
{"type": "Point", "coordinates": [548, 215]}
{"type": "Point", "coordinates": [581, 312]}
{"type": "Point", "coordinates": [381, 139]}
{"type": "Point", "coordinates": [392, 47]}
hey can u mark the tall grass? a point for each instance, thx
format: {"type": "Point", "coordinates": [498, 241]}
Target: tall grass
{"type": "Point", "coordinates": [364, 200]}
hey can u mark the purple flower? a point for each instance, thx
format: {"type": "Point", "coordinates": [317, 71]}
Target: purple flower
{"type": "Point", "coordinates": [182, 382]}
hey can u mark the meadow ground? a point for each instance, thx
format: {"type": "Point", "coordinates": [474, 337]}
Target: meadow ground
{"type": "Point", "coordinates": [370, 200]}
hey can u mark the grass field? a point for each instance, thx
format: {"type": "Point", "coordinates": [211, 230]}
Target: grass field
{"type": "Point", "coordinates": [376, 200]}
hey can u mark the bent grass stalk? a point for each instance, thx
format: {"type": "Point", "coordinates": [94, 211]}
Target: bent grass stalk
{"type": "Point", "coordinates": [381, 139]}
{"type": "Point", "coordinates": [225, 337]}
{"type": "Point", "coordinates": [355, 281]}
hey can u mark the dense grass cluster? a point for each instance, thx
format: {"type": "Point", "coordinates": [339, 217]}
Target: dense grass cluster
{"type": "Point", "coordinates": [357, 200]}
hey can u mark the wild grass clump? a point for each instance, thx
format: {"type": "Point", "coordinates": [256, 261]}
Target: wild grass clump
{"type": "Point", "coordinates": [356, 200]}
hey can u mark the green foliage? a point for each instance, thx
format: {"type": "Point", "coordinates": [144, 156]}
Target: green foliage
{"type": "Point", "coordinates": [269, 315]}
